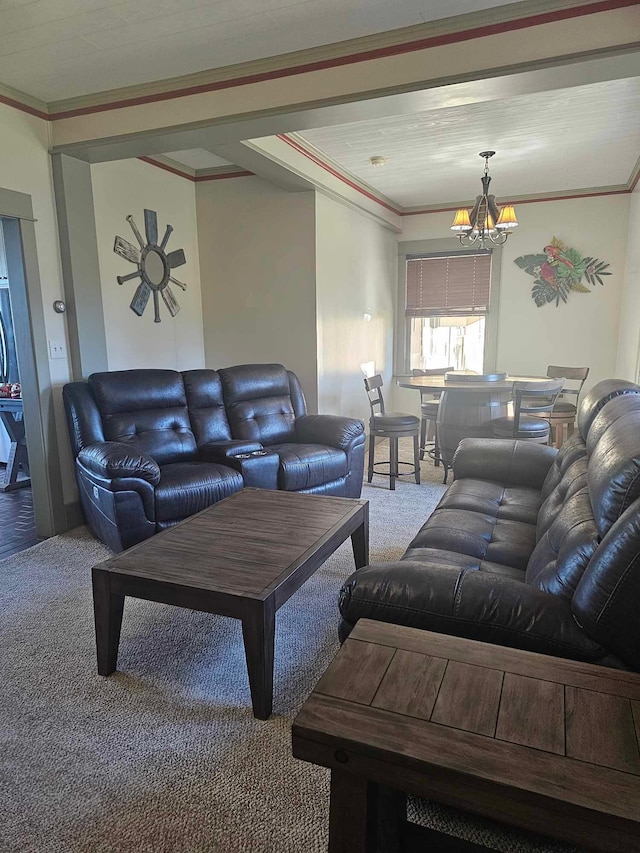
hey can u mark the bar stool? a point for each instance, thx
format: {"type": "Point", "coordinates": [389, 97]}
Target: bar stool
{"type": "Point", "coordinates": [391, 425]}
{"type": "Point", "coordinates": [564, 412]}
{"type": "Point", "coordinates": [532, 404]}
{"type": "Point", "coordinates": [429, 411]}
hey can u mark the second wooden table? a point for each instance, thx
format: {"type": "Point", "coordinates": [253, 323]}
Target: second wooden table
{"type": "Point", "coordinates": [541, 743]}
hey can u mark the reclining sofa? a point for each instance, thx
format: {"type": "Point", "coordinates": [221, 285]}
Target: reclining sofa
{"type": "Point", "coordinates": [529, 547]}
{"type": "Point", "coordinates": [152, 447]}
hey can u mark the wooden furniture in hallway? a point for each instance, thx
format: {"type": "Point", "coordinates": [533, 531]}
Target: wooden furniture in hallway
{"type": "Point", "coordinates": [537, 742]}
{"type": "Point", "coordinates": [11, 414]}
{"type": "Point", "coordinates": [243, 557]}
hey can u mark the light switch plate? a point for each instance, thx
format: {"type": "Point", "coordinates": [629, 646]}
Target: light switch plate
{"type": "Point", "coordinates": [57, 349]}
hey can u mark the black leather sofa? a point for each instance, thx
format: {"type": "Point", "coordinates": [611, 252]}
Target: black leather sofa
{"type": "Point", "coordinates": [530, 547]}
{"type": "Point", "coordinates": [152, 447]}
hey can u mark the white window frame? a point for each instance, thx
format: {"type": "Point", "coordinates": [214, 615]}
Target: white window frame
{"type": "Point", "coordinates": [402, 349]}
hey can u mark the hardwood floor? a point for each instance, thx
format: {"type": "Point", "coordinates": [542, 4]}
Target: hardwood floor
{"type": "Point", "coordinates": [17, 522]}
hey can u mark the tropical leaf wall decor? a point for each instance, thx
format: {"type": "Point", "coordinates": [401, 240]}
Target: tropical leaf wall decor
{"type": "Point", "coordinates": [559, 271]}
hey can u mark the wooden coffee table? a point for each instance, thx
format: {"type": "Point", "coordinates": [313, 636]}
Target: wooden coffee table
{"type": "Point", "coordinates": [541, 743]}
{"type": "Point", "coordinates": [242, 557]}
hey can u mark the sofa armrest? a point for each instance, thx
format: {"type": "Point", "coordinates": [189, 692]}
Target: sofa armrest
{"type": "Point", "coordinates": [505, 460]}
{"type": "Point", "coordinates": [112, 459]}
{"type": "Point", "coordinates": [466, 603]}
{"type": "Point", "coordinates": [220, 451]}
{"type": "Point", "coordinates": [333, 430]}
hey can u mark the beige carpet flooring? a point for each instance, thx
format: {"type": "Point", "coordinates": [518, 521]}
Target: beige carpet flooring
{"type": "Point", "coordinates": [164, 756]}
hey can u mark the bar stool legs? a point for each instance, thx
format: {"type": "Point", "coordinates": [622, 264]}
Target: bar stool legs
{"type": "Point", "coordinates": [393, 462]}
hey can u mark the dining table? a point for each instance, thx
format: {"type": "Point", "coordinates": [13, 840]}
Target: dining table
{"type": "Point", "coordinates": [468, 403]}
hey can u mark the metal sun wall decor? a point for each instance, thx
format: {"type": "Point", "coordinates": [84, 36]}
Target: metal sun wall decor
{"type": "Point", "coordinates": [154, 266]}
{"type": "Point", "coordinates": [559, 271]}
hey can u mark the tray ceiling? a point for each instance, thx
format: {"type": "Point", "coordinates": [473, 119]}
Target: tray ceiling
{"type": "Point", "coordinates": [567, 139]}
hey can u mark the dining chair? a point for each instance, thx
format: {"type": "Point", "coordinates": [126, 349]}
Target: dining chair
{"type": "Point", "coordinates": [532, 403]}
{"type": "Point", "coordinates": [391, 425]}
{"type": "Point", "coordinates": [429, 401]}
{"type": "Point", "coordinates": [564, 411]}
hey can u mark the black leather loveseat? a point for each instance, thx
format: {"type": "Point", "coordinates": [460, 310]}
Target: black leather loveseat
{"type": "Point", "coordinates": [529, 547]}
{"type": "Point", "coordinates": [152, 447]}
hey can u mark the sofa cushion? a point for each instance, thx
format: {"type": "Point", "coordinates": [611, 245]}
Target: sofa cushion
{"type": "Point", "coordinates": [606, 601]}
{"type": "Point", "coordinates": [563, 552]}
{"type": "Point", "coordinates": [574, 478]}
{"type": "Point", "coordinates": [188, 487]}
{"type": "Point", "coordinates": [304, 466]}
{"type": "Point", "coordinates": [446, 559]}
{"type": "Point", "coordinates": [614, 471]}
{"type": "Point", "coordinates": [599, 396]}
{"type": "Point", "coordinates": [572, 449]}
{"type": "Point", "coordinates": [258, 402]}
{"type": "Point", "coordinates": [608, 415]}
{"type": "Point", "coordinates": [486, 537]}
{"type": "Point", "coordinates": [517, 503]}
{"type": "Point", "coordinates": [203, 390]}
{"type": "Point", "coordinates": [146, 409]}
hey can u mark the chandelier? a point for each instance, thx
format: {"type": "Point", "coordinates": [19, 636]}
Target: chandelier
{"type": "Point", "coordinates": [485, 222]}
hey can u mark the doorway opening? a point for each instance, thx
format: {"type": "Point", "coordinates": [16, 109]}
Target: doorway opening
{"type": "Point", "coordinates": [17, 514]}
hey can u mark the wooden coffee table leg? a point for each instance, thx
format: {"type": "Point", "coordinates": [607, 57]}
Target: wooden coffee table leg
{"type": "Point", "coordinates": [349, 822]}
{"type": "Point", "coordinates": [258, 631]}
{"type": "Point", "coordinates": [107, 612]}
{"type": "Point", "coordinates": [360, 540]}
{"type": "Point", "coordinates": [364, 817]}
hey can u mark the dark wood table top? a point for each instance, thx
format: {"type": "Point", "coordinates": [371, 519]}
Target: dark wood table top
{"type": "Point", "coordinates": [246, 545]}
{"type": "Point", "coordinates": [543, 743]}
{"type": "Point", "coordinates": [438, 383]}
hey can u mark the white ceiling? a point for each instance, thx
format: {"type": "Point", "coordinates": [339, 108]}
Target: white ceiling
{"type": "Point", "coordinates": [198, 158]}
{"type": "Point", "coordinates": [567, 139]}
{"type": "Point", "coordinates": [57, 49]}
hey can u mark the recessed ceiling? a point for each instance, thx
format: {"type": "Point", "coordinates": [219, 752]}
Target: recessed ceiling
{"type": "Point", "coordinates": [567, 139]}
{"type": "Point", "coordinates": [57, 49]}
{"type": "Point", "coordinates": [198, 158]}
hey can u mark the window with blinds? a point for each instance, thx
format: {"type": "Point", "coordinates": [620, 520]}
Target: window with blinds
{"type": "Point", "coordinates": [448, 285]}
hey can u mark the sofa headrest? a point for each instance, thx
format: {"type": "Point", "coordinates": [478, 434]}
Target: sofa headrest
{"type": "Point", "coordinates": [254, 382]}
{"type": "Point", "coordinates": [609, 414]}
{"type": "Point", "coordinates": [136, 390]}
{"type": "Point", "coordinates": [613, 472]}
{"type": "Point", "coordinates": [598, 397]}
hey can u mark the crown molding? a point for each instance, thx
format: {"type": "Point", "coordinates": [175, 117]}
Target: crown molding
{"type": "Point", "coordinates": [23, 102]}
{"type": "Point", "coordinates": [218, 173]}
{"type": "Point", "coordinates": [450, 30]}
{"type": "Point", "coordinates": [300, 144]}
{"type": "Point", "coordinates": [533, 198]}
{"type": "Point", "coordinates": [171, 165]}
{"type": "Point", "coordinates": [320, 159]}
{"type": "Point", "coordinates": [634, 177]}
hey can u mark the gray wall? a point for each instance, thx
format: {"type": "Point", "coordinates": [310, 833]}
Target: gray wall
{"type": "Point", "coordinates": [257, 270]}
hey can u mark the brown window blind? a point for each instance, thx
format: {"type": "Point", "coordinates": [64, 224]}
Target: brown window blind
{"type": "Point", "coordinates": [448, 285]}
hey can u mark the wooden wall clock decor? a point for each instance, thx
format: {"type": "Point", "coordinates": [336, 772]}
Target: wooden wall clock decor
{"type": "Point", "coordinates": [154, 266]}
